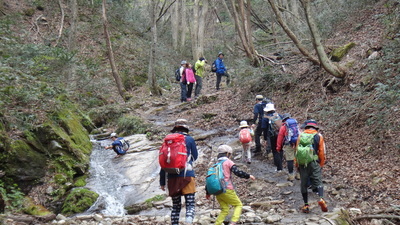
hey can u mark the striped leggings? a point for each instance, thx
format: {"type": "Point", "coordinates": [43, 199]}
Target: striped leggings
{"type": "Point", "coordinates": [177, 205]}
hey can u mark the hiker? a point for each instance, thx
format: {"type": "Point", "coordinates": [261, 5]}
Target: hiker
{"type": "Point", "coordinates": [221, 70]}
{"type": "Point", "coordinates": [116, 145]}
{"type": "Point", "coordinates": [190, 80]}
{"type": "Point", "coordinates": [182, 184]}
{"type": "Point", "coordinates": [286, 141]}
{"type": "Point", "coordinates": [257, 119]}
{"type": "Point", "coordinates": [270, 125]}
{"type": "Point", "coordinates": [245, 138]}
{"type": "Point", "coordinates": [310, 165]}
{"type": "Point", "coordinates": [229, 198]}
{"type": "Point", "coordinates": [183, 81]}
{"type": "Point", "coordinates": [199, 67]}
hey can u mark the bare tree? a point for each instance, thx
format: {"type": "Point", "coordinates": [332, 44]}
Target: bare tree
{"type": "Point", "coordinates": [326, 63]}
{"type": "Point", "coordinates": [241, 15]}
{"type": "Point", "coordinates": [200, 12]}
{"type": "Point", "coordinates": [121, 90]}
{"type": "Point", "coordinates": [151, 76]}
{"type": "Point", "coordinates": [184, 24]}
{"type": "Point", "coordinates": [291, 35]}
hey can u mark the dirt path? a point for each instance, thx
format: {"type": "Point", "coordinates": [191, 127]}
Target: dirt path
{"type": "Point", "coordinates": [269, 187]}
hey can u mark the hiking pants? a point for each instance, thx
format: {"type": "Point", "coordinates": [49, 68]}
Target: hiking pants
{"type": "Point", "coordinates": [257, 136]}
{"type": "Point", "coordinates": [313, 172]}
{"type": "Point", "coordinates": [199, 86]}
{"type": "Point", "coordinates": [246, 155]}
{"type": "Point", "coordinates": [183, 91]}
{"type": "Point", "coordinates": [219, 77]}
{"type": "Point", "coordinates": [289, 156]}
{"type": "Point", "coordinates": [177, 206]}
{"type": "Point", "coordinates": [278, 156]}
{"type": "Point", "coordinates": [229, 198]}
{"type": "Point", "coordinates": [189, 90]}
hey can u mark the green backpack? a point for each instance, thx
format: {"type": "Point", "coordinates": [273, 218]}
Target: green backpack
{"type": "Point", "coordinates": [305, 152]}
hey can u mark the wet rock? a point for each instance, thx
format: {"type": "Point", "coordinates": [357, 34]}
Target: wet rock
{"type": "Point", "coordinates": [272, 219]}
{"type": "Point", "coordinates": [285, 184]}
{"type": "Point", "coordinates": [355, 211]}
{"type": "Point", "coordinates": [98, 217]}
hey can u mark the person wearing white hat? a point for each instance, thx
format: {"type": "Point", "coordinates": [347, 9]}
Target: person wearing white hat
{"type": "Point", "coordinates": [245, 138]}
{"type": "Point", "coordinates": [116, 145]}
{"type": "Point", "coordinates": [183, 81]}
{"type": "Point", "coordinates": [229, 198]}
{"type": "Point", "coordinates": [271, 124]}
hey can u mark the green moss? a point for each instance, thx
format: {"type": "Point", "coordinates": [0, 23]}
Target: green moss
{"type": "Point", "coordinates": [80, 181]}
{"type": "Point", "coordinates": [78, 201]}
{"type": "Point", "coordinates": [36, 210]}
{"type": "Point", "coordinates": [338, 53]}
{"type": "Point", "coordinates": [155, 199]}
{"type": "Point", "coordinates": [60, 178]}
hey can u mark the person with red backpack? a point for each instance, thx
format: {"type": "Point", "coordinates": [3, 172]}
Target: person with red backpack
{"type": "Point", "coordinates": [245, 138]}
{"type": "Point", "coordinates": [181, 183]}
{"type": "Point", "coordinates": [287, 139]}
{"type": "Point", "coordinates": [310, 158]}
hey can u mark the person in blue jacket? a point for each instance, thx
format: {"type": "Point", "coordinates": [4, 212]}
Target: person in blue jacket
{"type": "Point", "coordinates": [221, 70]}
{"type": "Point", "coordinates": [183, 183]}
{"type": "Point", "coordinates": [116, 145]}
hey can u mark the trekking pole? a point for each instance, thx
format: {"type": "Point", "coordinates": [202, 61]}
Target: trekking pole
{"type": "Point", "coordinates": [213, 201]}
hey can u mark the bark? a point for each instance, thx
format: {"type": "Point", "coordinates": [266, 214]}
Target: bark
{"type": "Point", "coordinates": [291, 35]}
{"type": "Point", "coordinates": [175, 25]}
{"type": "Point", "coordinates": [117, 78]}
{"type": "Point", "coordinates": [194, 27]}
{"type": "Point", "coordinates": [184, 24]}
{"type": "Point", "coordinates": [319, 48]}
{"type": "Point", "coordinates": [202, 26]}
{"type": "Point", "coordinates": [151, 76]}
{"type": "Point", "coordinates": [61, 22]}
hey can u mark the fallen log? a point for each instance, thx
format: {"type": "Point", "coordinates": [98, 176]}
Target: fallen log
{"type": "Point", "coordinates": [380, 216]}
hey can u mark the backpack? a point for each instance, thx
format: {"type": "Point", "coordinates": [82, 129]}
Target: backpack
{"type": "Point", "coordinates": [215, 183]}
{"type": "Point", "coordinates": [190, 76]}
{"type": "Point", "coordinates": [214, 67]}
{"type": "Point", "coordinates": [292, 130]}
{"type": "Point", "coordinates": [173, 154]}
{"type": "Point", "coordinates": [245, 136]}
{"type": "Point", "coordinates": [305, 151]}
{"type": "Point", "coordinates": [275, 122]}
{"type": "Point", "coordinates": [125, 144]}
{"type": "Point", "coordinates": [178, 74]}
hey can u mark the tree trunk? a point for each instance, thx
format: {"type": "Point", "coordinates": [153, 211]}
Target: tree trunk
{"type": "Point", "coordinates": [291, 35]}
{"type": "Point", "coordinates": [194, 27]}
{"type": "Point", "coordinates": [117, 78]}
{"type": "Point", "coordinates": [184, 23]}
{"type": "Point", "coordinates": [202, 25]}
{"type": "Point", "coordinates": [319, 48]}
{"type": "Point", "coordinates": [151, 76]}
{"type": "Point", "coordinates": [175, 25]}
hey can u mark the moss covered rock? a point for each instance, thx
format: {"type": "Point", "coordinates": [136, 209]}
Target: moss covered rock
{"type": "Point", "coordinates": [78, 201]}
{"type": "Point", "coordinates": [338, 53]}
{"type": "Point", "coordinates": [33, 209]}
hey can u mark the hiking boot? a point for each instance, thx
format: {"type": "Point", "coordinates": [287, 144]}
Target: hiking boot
{"type": "Point", "coordinates": [323, 205]}
{"type": "Point", "coordinates": [188, 99]}
{"type": "Point", "coordinates": [305, 209]}
{"type": "Point", "coordinates": [270, 156]}
{"type": "Point", "coordinates": [232, 223]}
{"type": "Point", "coordinates": [248, 161]}
{"type": "Point", "coordinates": [297, 176]}
{"type": "Point", "coordinates": [290, 177]}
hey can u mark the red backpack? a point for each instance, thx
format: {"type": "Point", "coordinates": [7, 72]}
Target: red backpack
{"type": "Point", "coordinates": [245, 136]}
{"type": "Point", "coordinates": [173, 153]}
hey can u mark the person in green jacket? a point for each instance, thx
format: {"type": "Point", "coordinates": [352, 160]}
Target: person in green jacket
{"type": "Point", "coordinates": [199, 68]}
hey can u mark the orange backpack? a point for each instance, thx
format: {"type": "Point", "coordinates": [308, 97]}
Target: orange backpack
{"type": "Point", "coordinates": [245, 136]}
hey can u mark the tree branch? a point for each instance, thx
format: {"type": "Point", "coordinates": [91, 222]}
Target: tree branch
{"type": "Point", "coordinates": [62, 22]}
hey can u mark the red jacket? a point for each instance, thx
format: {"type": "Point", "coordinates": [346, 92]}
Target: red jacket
{"type": "Point", "coordinates": [281, 137]}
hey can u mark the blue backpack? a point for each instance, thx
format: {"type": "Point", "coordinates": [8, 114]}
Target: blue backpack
{"type": "Point", "coordinates": [292, 129]}
{"type": "Point", "coordinates": [215, 183]}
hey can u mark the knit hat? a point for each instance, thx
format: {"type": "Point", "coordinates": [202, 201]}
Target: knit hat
{"type": "Point", "coordinates": [243, 124]}
{"type": "Point", "coordinates": [269, 107]}
{"type": "Point", "coordinates": [201, 58]}
{"type": "Point", "coordinates": [113, 135]}
{"type": "Point", "coordinates": [312, 123]}
{"type": "Point", "coordinates": [180, 123]}
{"type": "Point", "coordinates": [259, 97]}
{"type": "Point", "coordinates": [225, 149]}
{"type": "Point", "coordinates": [183, 62]}
{"type": "Point", "coordinates": [286, 116]}
{"type": "Point", "coordinates": [220, 53]}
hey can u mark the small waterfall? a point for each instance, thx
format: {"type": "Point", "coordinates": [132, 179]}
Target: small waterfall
{"type": "Point", "coordinates": [105, 180]}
